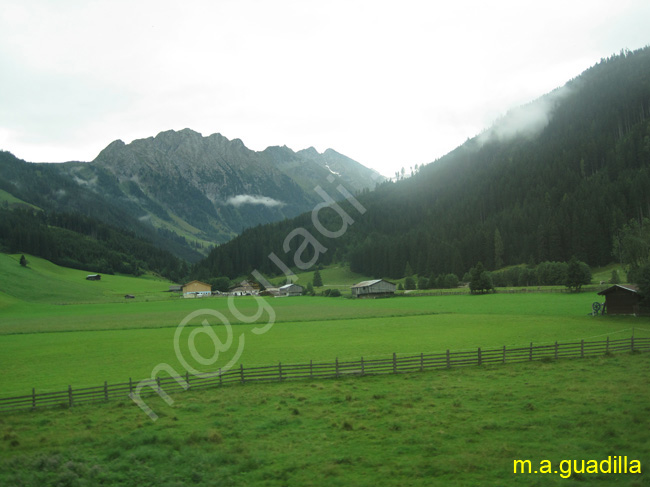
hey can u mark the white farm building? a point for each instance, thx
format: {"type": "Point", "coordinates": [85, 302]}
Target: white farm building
{"type": "Point", "coordinates": [373, 289]}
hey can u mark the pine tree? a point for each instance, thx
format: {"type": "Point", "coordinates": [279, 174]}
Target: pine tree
{"type": "Point", "coordinates": [23, 261]}
{"type": "Point", "coordinates": [498, 250]}
{"type": "Point", "coordinates": [409, 283]}
{"type": "Point", "coordinates": [318, 280]}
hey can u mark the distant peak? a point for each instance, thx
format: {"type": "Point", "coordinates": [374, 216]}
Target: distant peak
{"type": "Point", "coordinates": [310, 151]}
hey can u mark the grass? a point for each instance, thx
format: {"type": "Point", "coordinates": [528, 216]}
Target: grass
{"type": "Point", "coordinates": [452, 427]}
{"type": "Point", "coordinates": [459, 428]}
{"type": "Point", "coordinates": [49, 346]}
{"type": "Point", "coordinates": [116, 341]}
{"type": "Point", "coordinates": [43, 282]}
{"type": "Point", "coordinates": [12, 201]}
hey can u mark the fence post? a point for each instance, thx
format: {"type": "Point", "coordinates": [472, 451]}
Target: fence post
{"type": "Point", "coordinates": [394, 363]}
{"type": "Point", "coordinates": [448, 359]}
{"type": "Point", "coordinates": [582, 348]}
{"type": "Point", "coordinates": [33, 397]}
{"type": "Point", "coordinates": [220, 377]}
{"type": "Point", "coordinates": [504, 354]}
{"type": "Point", "coordinates": [105, 391]}
{"type": "Point", "coordinates": [158, 382]}
{"type": "Point", "coordinates": [69, 395]}
{"type": "Point", "coordinates": [607, 346]}
{"type": "Point", "coordinates": [479, 355]}
{"type": "Point", "coordinates": [336, 367]}
{"type": "Point", "coordinates": [363, 370]}
{"type": "Point", "coordinates": [632, 343]}
{"type": "Point", "coordinates": [311, 368]}
{"type": "Point", "coordinates": [280, 370]}
{"type": "Point", "coordinates": [187, 379]}
{"type": "Point", "coordinates": [556, 349]}
{"type": "Point", "coordinates": [241, 372]}
{"type": "Point", "coordinates": [421, 361]}
{"type": "Point", "coordinates": [530, 354]}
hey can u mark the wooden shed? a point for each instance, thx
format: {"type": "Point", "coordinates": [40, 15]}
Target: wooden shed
{"type": "Point", "coordinates": [621, 300]}
{"type": "Point", "coordinates": [290, 290]}
{"type": "Point", "coordinates": [373, 289]}
{"type": "Point", "coordinates": [93, 277]}
{"type": "Point", "coordinates": [196, 289]}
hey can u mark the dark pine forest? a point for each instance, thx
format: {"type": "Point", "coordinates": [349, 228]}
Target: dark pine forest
{"type": "Point", "coordinates": [562, 189]}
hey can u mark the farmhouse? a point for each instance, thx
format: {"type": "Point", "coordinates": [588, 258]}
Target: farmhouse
{"type": "Point", "coordinates": [245, 288]}
{"type": "Point", "coordinates": [290, 290]}
{"type": "Point", "coordinates": [93, 277]}
{"type": "Point", "coordinates": [621, 300]}
{"type": "Point", "coordinates": [196, 289]}
{"type": "Point", "coordinates": [373, 289]}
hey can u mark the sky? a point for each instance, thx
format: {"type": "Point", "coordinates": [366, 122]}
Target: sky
{"type": "Point", "coordinates": [389, 84]}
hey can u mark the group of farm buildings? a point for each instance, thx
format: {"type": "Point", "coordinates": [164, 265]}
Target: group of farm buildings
{"type": "Point", "coordinates": [619, 300]}
{"type": "Point", "coordinates": [198, 289]}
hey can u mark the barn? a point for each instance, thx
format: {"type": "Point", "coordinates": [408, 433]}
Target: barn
{"type": "Point", "coordinates": [373, 289]}
{"type": "Point", "coordinates": [93, 277]}
{"type": "Point", "coordinates": [621, 300]}
{"type": "Point", "coordinates": [196, 289]}
{"type": "Point", "coordinates": [290, 290]}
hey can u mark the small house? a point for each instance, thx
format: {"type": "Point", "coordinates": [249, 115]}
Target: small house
{"type": "Point", "coordinates": [245, 288]}
{"type": "Point", "coordinates": [621, 300]}
{"type": "Point", "coordinates": [377, 288]}
{"type": "Point", "coordinates": [93, 277]}
{"type": "Point", "coordinates": [291, 290]}
{"type": "Point", "coordinates": [196, 289]}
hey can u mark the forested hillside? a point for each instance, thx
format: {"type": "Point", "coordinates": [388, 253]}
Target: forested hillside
{"type": "Point", "coordinates": [79, 242]}
{"type": "Point", "coordinates": [44, 187]}
{"type": "Point", "coordinates": [182, 191]}
{"type": "Point", "coordinates": [551, 180]}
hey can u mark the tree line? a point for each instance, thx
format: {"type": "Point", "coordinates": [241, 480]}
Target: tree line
{"type": "Point", "coordinates": [79, 242]}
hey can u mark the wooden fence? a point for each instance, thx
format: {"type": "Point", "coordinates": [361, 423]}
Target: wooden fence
{"type": "Point", "coordinates": [313, 370]}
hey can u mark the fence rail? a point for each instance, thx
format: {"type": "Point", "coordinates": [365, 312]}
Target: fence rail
{"type": "Point", "coordinates": [281, 372]}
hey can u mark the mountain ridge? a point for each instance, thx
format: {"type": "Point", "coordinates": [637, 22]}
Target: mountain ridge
{"type": "Point", "coordinates": [564, 188]}
{"type": "Point", "coordinates": [188, 188]}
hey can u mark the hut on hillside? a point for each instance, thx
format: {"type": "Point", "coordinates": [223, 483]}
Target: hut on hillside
{"type": "Point", "coordinates": [621, 300]}
{"type": "Point", "coordinates": [93, 277]}
{"type": "Point", "coordinates": [377, 288]}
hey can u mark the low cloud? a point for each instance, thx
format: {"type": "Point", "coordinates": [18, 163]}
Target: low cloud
{"type": "Point", "coordinates": [249, 199]}
{"type": "Point", "coordinates": [525, 121]}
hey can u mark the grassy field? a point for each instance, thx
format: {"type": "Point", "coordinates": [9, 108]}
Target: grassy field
{"type": "Point", "coordinates": [454, 428]}
{"type": "Point", "coordinates": [457, 427]}
{"type": "Point", "coordinates": [48, 346]}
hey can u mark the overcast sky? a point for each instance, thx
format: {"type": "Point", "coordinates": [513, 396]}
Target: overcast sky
{"type": "Point", "coordinates": [390, 84]}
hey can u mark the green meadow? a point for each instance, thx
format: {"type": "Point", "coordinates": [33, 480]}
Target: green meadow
{"type": "Point", "coordinates": [461, 427]}
{"type": "Point", "coordinates": [449, 427]}
{"type": "Point", "coordinates": [99, 336]}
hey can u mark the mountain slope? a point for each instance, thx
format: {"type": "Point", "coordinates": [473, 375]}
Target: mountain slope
{"type": "Point", "coordinates": [552, 179]}
{"type": "Point", "coordinates": [188, 192]}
